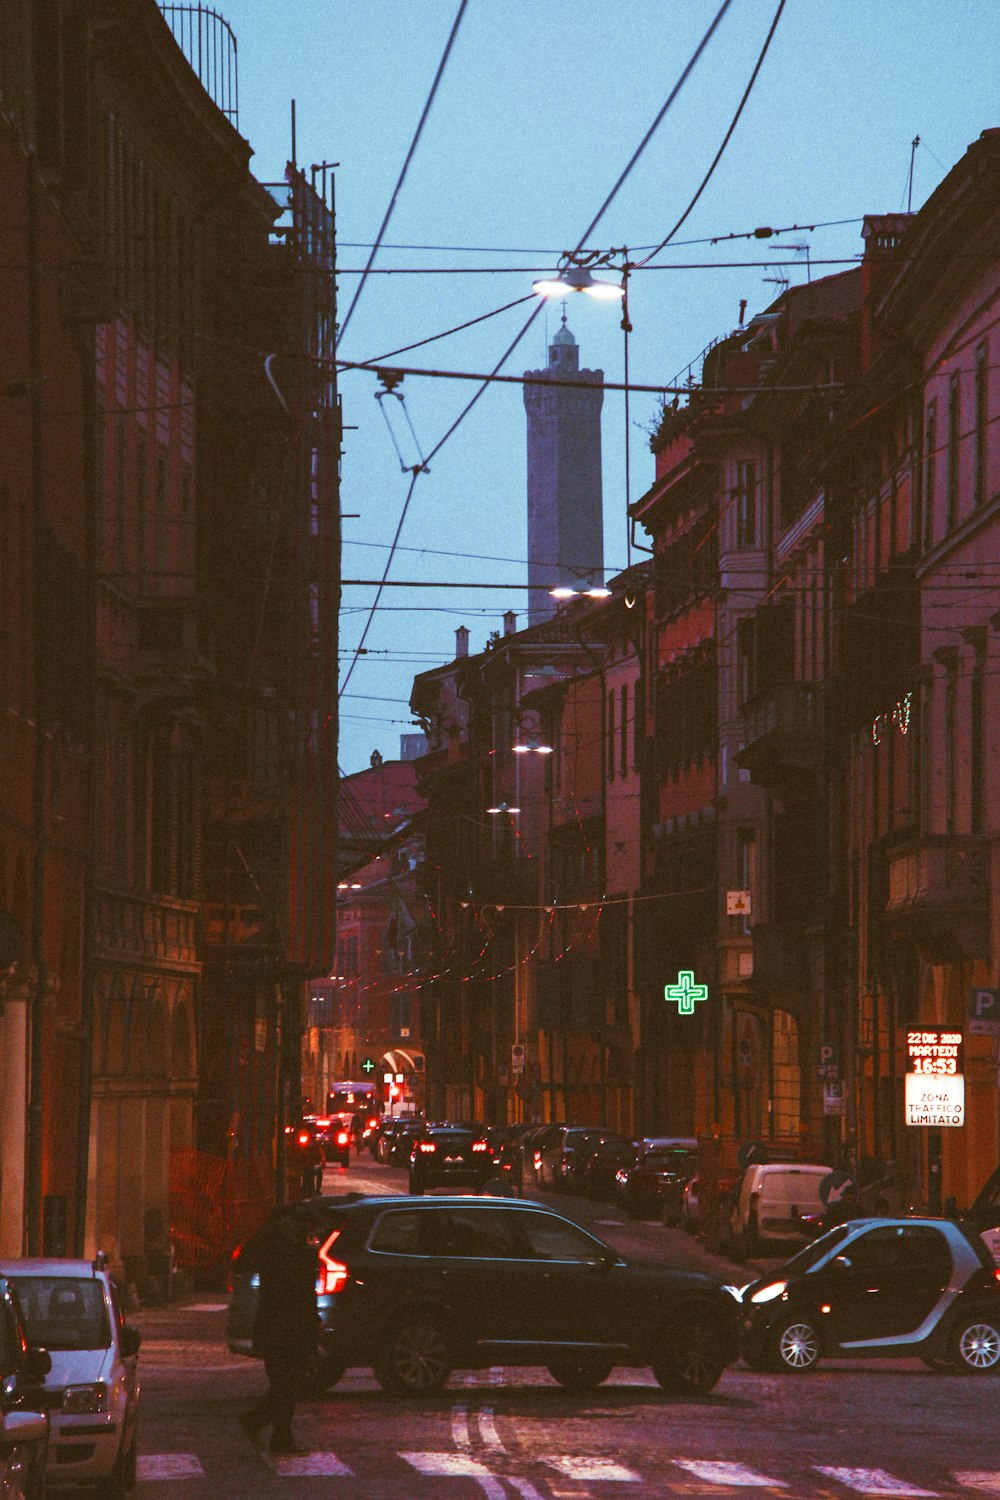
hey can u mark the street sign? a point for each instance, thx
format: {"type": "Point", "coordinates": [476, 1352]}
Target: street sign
{"type": "Point", "coordinates": [517, 1057]}
{"type": "Point", "coordinates": [827, 1060]}
{"type": "Point", "coordinates": [984, 1012]}
{"type": "Point", "coordinates": [935, 1077]}
{"type": "Point", "coordinates": [738, 904]}
{"type": "Point", "coordinates": [834, 1099]}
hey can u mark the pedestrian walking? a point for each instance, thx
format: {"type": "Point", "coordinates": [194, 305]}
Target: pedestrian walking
{"type": "Point", "coordinates": [286, 1327]}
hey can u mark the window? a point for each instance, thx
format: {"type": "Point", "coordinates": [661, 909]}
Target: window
{"type": "Point", "coordinates": [746, 873]}
{"type": "Point", "coordinates": [398, 1233]}
{"type": "Point", "coordinates": [638, 721]}
{"type": "Point", "coordinates": [550, 1238]}
{"type": "Point", "coordinates": [976, 742]}
{"type": "Point", "coordinates": [482, 1233]}
{"type": "Point", "coordinates": [950, 786]}
{"type": "Point", "coordinates": [745, 501]}
{"type": "Point", "coordinates": [785, 1076]}
{"type": "Point", "coordinates": [980, 427]}
{"type": "Point", "coordinates": [623, 734]}
{"type": "Point", "coordinates": [954, 438]}
{"type": "Point", "coordinates": [62, 1312]}
{"type": "Point", "coordinates": [930, 469]}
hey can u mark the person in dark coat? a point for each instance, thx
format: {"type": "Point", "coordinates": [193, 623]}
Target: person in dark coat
{"type": "Point", "coordinates": [286, 1326]}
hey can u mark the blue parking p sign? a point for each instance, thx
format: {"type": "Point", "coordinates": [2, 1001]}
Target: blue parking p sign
{"type": "Point", "coordinates": [984, 1012]}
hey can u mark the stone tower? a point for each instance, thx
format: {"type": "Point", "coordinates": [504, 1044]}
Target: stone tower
{"type": "Point", "coordinates": [565, 505]}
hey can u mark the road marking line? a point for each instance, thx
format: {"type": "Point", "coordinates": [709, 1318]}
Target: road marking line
{"type": "Point", "coordinates": [488, 1430]}
{"type": "Point", "coordinates": [873, 1481]}
{"type": "Point", "coordinates": [591, 1468]}
{"type": "Point", "coordinates": [168, 1466]}
{"type": "Point", "coordinates": [727, 1473]}
{"type": "Point", "coordinates": [460, 1427]}
{"type": "Point", "coordinates": [447, 1463]}
{"type": "Point", "coordinates": [977, 1479]}
{"type": "Point", "coordinates": [524, 1488]}
{"type": "Point", "coordinates": [204, 1307]}
{"type": "Point", "coordinates": [308, 1465]}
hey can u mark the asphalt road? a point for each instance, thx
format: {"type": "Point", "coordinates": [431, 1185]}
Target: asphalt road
{"type": "Point", "coordinates": [885, 1428]}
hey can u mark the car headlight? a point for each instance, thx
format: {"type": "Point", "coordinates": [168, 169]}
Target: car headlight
{"type": "Point", "coordinates": [736, 1292]}
{"type": "Point", "coordinates": [771, 1292]}
{"type": "Point", "coordinates": [79, 1400]}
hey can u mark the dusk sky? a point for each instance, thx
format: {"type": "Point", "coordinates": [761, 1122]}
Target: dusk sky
{"type": "Point", "coordinates": [541, 106]}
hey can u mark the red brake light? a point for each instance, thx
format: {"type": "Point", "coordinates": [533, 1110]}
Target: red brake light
{"type": "Point", "coordinates": [342, 1137]}
{"type": "Point", "coordinates": [303, 1138]}
{"type": "Point", "coordinates": [323, 1123]}
{"type": "Point", "coordinates": [996, 1274]}
{"type": "Point", "coordinates": [333, 1274]}
{"type": "Point", "coordinates": [426, 1146]}
{"type": "Point", "coordinates": [373, 1122]}
{"type": "Point", "coordinates": [480, 1145]}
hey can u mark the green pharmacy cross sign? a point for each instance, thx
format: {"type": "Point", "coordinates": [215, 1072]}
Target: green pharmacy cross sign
{"type": "Point", "coordinates": [685, 992]}
{"type": "Point", "coordinates": [368, 1066]}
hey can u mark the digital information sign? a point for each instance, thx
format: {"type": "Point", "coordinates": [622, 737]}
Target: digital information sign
{"type": "Point", "coordinates": [935, 1076]}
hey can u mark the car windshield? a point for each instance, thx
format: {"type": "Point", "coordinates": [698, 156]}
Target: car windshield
{"type": "Point", "coordinates": [812, 1254]}
{"type": "Point", "coordinates": [64, 1312]}
{"type": "Point", "coordinates": [670, 1161]}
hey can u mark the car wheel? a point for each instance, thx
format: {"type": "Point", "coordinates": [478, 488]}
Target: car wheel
{"type": "Point", "coordinates": [795, 1345]}
{"type": "Point", "coordinates": [415, 1360]}
{"type": "Point", "coordinates": [690, 1365]}
{"type": "Point", "coordinates": [582, 1374]}
{"type": "Point", "coordinates": [975, 1344]}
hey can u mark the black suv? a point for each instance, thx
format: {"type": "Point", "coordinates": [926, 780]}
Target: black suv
{"type": "Point", "coordinates": [879, 1288]}
{"type": "Point", "coordinates": [441, 1154]}
{"type": "Point", "coordinates": [24, 1425]}
{"type": "Point", "coordinates": [417, 1287]}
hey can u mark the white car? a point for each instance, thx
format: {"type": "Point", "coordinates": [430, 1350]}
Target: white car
{"type": "Point", "coordinates": [71, 1308]}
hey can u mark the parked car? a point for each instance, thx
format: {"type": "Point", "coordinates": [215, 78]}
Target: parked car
{"type": "Point", "coordinates": [395, 1140]}
{"type": "Point", "coordinates": [879, 1288]}
{"type": "Point", "coordinates": [599, 1164]}
{"type": "Point", "coordinates": [418, 1287]}
{"type": "Point", "coordinates": [72, 1309]}
{"type": "Point", "coordinates": [24, 1425]}
{"type": "Point", "coordinates": [577, 1168]}
{"type": "Point", "coordinates": [533, 1143]}
{"type": "Point", "coordinates": [441, 1154]}
{"type": "Point", "coordinates": [661, 1163]}
{"type": "Point", "coordinates": [557, 1153]}
{"type": "Point", "coordinates": [984, 1214]}
{"type": "Point", "coordinates": [767, 1214]}
{"type": "Point", "coordinates": [507, 1162]}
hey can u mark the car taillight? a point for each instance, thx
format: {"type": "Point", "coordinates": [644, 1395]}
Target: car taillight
{"type": "Point", "coordinates": [303, 1138]}
{"type": "Point", "coordinates": [323, 1124]}
{"type": "Point", "coordinates": [373, 1123]}
{"type": "Point", "coordinates": [234, 1258]}
{"type": "Point", "coordinates": [996, 1274]}
{"type": "Point", "coordinates": [480, 1145]}
{"type": "Point", "coordinates": [426, 1146]}
{"type": "Point", "coordinates": [333, 1274]}
{"type": "Point", "coordinates": [342, 1137]}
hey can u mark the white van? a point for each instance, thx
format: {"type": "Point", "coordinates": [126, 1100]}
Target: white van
{"type": "Point", "coordinates": [766, 1217]}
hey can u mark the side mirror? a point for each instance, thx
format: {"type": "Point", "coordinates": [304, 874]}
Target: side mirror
{"type": "Point", "coordinates": [842, 1262]}
{"type": "Point", "coordinates": [131, 1340]}
{"type": "Point", "coordinates": [24, 1427]}
{"type": "Point", "coordinates": [37, 1364]}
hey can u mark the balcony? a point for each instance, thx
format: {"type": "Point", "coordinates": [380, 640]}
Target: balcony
{"type": "Point", "coordinates": [143, 929]}
{"type": "Point", "coordinates": [939, 895]}
{"type": "Point", "coordinates": [783, 733]}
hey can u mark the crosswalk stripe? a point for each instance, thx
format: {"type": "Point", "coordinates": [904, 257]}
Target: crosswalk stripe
{"type": "Point", "coordinates": [152, 1466]}
{"type": "Point", "coordinates": [460, 1427]}
{"type": "Point", "coordinates": [488, 1430]}
{"type": "Point", "coordinates": [873, 1481]}
{"type": "Point", "coordinates": [309, 1465]}
{"type": "Point", "coordinates": [978, 1479]}
{"type": "Point", "coordinates": [591, 1468]}
{"type": "Point", "coordinates": [447, 1463]}
{"type": "Point", "coordinates": [728, 1473]}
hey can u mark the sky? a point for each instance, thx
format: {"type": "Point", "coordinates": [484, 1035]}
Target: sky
{"type": "Point", "coordinates": [539, 109]}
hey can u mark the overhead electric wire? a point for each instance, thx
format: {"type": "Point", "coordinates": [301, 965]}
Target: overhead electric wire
{"type": "Point", "coordinates": [405, 167]}
{"type": "Point", "coordinates": [459, 328]}
{"type": "Point", "coordinates": [725, 140]}
{"type": "Point", "coordinates": [495, 373]}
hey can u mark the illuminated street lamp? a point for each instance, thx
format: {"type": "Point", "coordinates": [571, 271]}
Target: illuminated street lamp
{"type": "Point", "coordinates": [578, 279]}
{"type": "Point", "coordinates": [502, 807]}
{"type": "Point", "coordinates": [565, 592]}
{"type": "Point", "coordinates": [532, 749]}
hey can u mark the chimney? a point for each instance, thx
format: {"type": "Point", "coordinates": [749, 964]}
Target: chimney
{"type": "Point", "coordinates": [461, 641]}
{"type": "Point", "coordinates": [509, 622]}
{"type": "Point", "coordinates": [881, 234]}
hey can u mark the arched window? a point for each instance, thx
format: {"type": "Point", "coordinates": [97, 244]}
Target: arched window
{"type": "Point", "coordinates": [786, 1082]}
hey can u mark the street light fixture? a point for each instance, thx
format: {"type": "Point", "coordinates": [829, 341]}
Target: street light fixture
{"type": "Point", "coordinates": [578, 279]}
{"type": "Point", "coordinates": [565, 592]}
{"type": "Point", "coordinates": [503, 807]}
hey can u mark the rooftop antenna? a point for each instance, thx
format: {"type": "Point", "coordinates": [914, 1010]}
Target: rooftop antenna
{"type": "Point", "coordinates": [295, 157]}
{"type": "Point", "coordinates": [909, 190]}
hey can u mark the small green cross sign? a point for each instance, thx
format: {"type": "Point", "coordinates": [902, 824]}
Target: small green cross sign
{"type": "Point", "coordinates": [685, 992]}
{"type": "Point", "coordinates": [368, 1066]}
